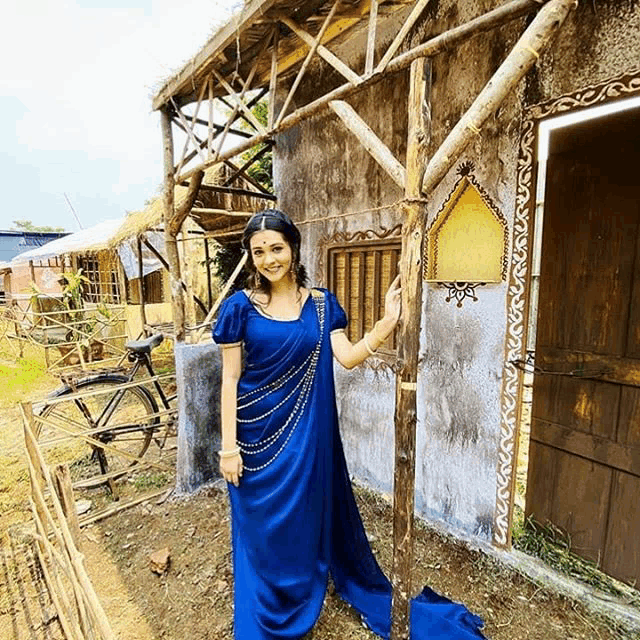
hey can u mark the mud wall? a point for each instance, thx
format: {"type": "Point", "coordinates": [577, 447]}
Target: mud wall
{"type": "Point", "coordinates": [334, 189]}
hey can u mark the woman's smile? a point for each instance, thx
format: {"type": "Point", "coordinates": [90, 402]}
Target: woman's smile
{"type": "Point", "coordinates": [272, 255]}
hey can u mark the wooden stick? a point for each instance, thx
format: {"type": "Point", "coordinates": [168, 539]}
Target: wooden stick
{"type": "Point", "coordinates": [402, 34]}
{"type": "Point", "coordinates": [521, 58]}
{"type": "Point", "coordinates": [119, 507]}
{"type": "Point", "coordinates": [165, 264]}
{"type": "Point", "coordinates": [370, 141]}
{"type": "Point", "coordinates": [101, 445]}
{"type": "Point", "coordinates": [143, 315]}
{"type": "Point", "coordinates": [234, 96]}
{"type": "Point", "coordinates": [414, 214]}
{"type": "Point", "coordinates": [210, 124]}
{"type": "Point", "coordinates": [223, 212]}
{"type": "Point", "coordinates": [242, 171]}
{"type": "Point", "coordinates": [273, 78]}
{"type": "Point", "coordinates": [173, 257]}
{"type": "Point", "coordinates": [190, 128]}
{"type": "Point", "coordinates": [237, 192]}
{"type": "Point", "coordinates": [107, 389]}
{"type": "Point", "coordinates": [222, 296]}
{"type": "Point", "coordinates": [323, 52]}
{"type": "Point", "coordinates": [63, 488]}
{"type": "Point", "coordinates": [234, 114]}
{"type": "Point", "coordinates": [313, 47]}
{"type": "Point", "coordinates": [75, 557]}
{"type": "Point", "coordinates": [181, 213]}
{"type": "Point", "coordinates": [56, 593]}
{"type": "Point", "coordinates": [371, 38]}
{"type": "Point", "coordinates": [447, 40]}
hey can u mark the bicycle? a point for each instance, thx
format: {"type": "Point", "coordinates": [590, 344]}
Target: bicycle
{"type": "Point", "coordinates": [102, 425]}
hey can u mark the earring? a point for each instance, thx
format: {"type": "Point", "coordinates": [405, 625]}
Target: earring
{"type": "Point", "coordinates": [256, 280]}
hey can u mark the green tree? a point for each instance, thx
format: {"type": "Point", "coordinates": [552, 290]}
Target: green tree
{"type": "Point", "coordinates": [27, 225]}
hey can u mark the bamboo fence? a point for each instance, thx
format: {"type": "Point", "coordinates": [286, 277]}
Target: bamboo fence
{"type": "Point", "coordinates": [79, 611]}
{"type": "Point", "coordinates": [79, 338]}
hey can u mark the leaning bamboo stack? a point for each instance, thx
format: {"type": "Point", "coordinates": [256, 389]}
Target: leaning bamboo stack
{"type": "Point", "coordinates": [80, 613]}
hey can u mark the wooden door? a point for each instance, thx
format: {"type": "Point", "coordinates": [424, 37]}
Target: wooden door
{"type": "Point", "coordinates": [584, 462]}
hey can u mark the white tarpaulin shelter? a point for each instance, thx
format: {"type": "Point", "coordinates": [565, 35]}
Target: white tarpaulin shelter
{"type": "Point", "coordinates": [95, 238]}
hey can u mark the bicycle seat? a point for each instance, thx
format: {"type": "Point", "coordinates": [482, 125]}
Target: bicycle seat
{"type": "Point", "coordinates": [145, 346]}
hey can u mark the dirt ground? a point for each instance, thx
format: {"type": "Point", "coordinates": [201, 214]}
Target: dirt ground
{"type": "Point", "coordinates": [193, 598]}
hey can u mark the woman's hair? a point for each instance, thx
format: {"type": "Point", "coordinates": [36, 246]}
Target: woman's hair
{"type": "Point", "coordinates": [273, 220]}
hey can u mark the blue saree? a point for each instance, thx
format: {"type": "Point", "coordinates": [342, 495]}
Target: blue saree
{"type": "Point", "coordinates": [294, 516]}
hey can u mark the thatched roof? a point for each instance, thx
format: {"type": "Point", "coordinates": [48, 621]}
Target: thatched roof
{"type": "Point", "coordinates": [234, 47]}
{"type": "Point", "coordinates": [91, 240]}
{"type": "Point", "coordinates": [229, 226]}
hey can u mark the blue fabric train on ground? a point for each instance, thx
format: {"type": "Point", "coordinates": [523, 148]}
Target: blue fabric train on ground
{"type": "Point", "coordinates": [294, 515]}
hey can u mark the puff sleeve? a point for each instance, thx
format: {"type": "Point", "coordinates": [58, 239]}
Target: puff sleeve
{"type": "Point", "coordinates": [337, 316]}
{"type": "Point", "coordinates": [229, 328]}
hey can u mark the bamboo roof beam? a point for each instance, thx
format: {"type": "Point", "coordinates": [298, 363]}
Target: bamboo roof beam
{"type": "Point", "coordinates": [314, 46]}
{"type": "Point", "coordinates": [371, 38]}
{"type": "Point", "coordinates": [402, 34]}
{"type": "Point", "coordinates": [501, 15]}
{"type": "Point", "coordinates": [239, 101]}
{"type": "Point", "coordinates": [273, 79]}
{"type": "Point", "coordinates": [522, 57]}
{"type": "Point", "coordinates": [227, 35]}
{"type": "Point", "coordinates": [323, 52]}
{"type": "Point", "coordinates": [370, 141]}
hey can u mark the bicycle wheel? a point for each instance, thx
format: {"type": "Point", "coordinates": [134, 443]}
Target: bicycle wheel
{"type": "Point", "coordinates": [123, 420]}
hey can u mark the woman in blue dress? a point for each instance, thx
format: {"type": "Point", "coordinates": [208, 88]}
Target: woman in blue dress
{"type": "Point", "coordinates": [294, 516]}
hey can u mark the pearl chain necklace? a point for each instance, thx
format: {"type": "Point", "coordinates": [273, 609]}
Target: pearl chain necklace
{"type": "Point", "coordinates": [305, 385]}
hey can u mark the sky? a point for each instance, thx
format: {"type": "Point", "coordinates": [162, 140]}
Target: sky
{"type": "Point", "coordinates": [76, 82]}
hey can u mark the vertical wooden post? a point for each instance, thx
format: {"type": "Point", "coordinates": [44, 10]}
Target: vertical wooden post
{"type": "Point", "coordinates": [122, 282]}
{"type": "Point", "coordinates": [207, 258]}
{"type": "Point", "coordinates": [141, 291]}
{"type": "Point", "coordinates": [414, 213]}
{"type": "Point", "coordinates": [171, 244]}
{"type": "Point", "coordinates": [64, 489]}
{"type": "Point", "coordinates": [32, 272]}
{"type": "Point", "coordinates": [189, 271]}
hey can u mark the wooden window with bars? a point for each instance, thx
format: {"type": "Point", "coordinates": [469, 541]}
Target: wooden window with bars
{"type": "Point", "coordinates": [91, 270]}
{"type": "Point", "coordinates": [103, 281]}
{"type": "Point", "coordinates": [359, 276]}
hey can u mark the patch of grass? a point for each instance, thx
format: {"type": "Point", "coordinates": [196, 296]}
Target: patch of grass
{"type": "Point", "coordinates": [553, 546]}
{"type": "Point", "coordinates": [154, 480]}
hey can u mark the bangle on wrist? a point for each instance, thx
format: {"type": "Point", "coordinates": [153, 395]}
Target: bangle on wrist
{"type": "Point", "coordinates": [367, 345]}
{"type": "Point", "coordinates": [229, 453]}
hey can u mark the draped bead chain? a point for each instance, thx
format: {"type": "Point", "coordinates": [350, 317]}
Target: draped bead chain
{"type": "Point", "coordinates": [305, 384]}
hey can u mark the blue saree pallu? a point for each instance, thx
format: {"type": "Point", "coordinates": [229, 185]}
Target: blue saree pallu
{"type": "Point", "coordinates": [294, 515]}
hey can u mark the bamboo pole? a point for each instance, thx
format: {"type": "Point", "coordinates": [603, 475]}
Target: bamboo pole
{"type": "Point", "coordinates": [314, 43]}
{"type": "Point", "coordinates": [141, 291]}
{"type": "Point", "coordinates": [522, 57]}
{"type": "Point", "coordinates": [75, 557]}
{"type": "Point", "coordinates": [414, 213]}
{"type": "Point", "coordinates": [402, 34]}
{"type": "Point", "coordinates": [255, 123]}
{"type": "Point", "coordinates": [313, 47]}
{"type": "Point", "coordinates": [235, 113]}
{"type": "Point", "coordinates": [447, 40]}
{"type": "Point", "coordinates": [221, 297]}
{"type": "Point", "coordinates": [64, 490]}
{"type": "Point", "coordinates": [56, 592]}
{"type": "Point", "coordinates": [207, 259]}
{"type": "Point", "coordinates": [370, 141]}
{"type": "Point", "coordinates": [273, 78]}
{"type": "Point", "coordinates": [371, 38]}
{"type": "Point", "coordinates": [173, 257]}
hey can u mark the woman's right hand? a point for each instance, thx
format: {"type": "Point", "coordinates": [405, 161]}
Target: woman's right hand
{"type": "Point", "coordinates": [231, 469]}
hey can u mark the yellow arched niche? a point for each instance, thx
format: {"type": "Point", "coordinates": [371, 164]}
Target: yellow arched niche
{"type": "Point", "coordinates": [466, 242]}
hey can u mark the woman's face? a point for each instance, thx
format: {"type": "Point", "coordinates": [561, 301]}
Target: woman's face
{"type": "Point", "coordinates": [271, 254]}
